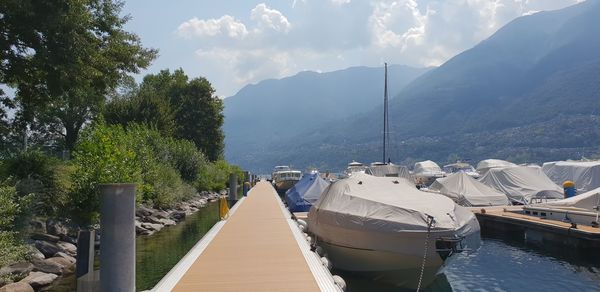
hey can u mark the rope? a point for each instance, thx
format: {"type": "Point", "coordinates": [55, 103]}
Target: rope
{"type": "Point", "coordinates": [429, 224]}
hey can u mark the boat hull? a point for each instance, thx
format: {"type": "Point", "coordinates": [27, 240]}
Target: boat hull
{"type": "Point", "coordinates": [283, 185]}
{"type": "Point", "coordinates": [398, 269]}
{"type": "Point", "coordinates": [391, 257]}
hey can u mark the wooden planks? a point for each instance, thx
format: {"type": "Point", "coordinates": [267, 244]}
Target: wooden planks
{"type": "Point", "coordinates": [254, 251]}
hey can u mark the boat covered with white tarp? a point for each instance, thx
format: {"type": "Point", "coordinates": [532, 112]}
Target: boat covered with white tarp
{"type": "Point", "coordinates": [379, 226]}
{"type": "Point", "coordinates": [588, 201]}
{"type": "Point", "coordinates": [389, 170]}
{"type": "Point", "coordinates": [487, 164]}
{"type": "Point", "coordinates": [467, 191]}
{"type": "Point", "coordinates": [585, 174]}
{"type": "Point", "coordinates": [522, 184]}
{"type": "Point", "coordinates": [425, 172]}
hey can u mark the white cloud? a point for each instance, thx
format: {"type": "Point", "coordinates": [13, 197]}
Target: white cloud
{"type": "Point", "coordinates": [270, 18]}
{"type": "Point", "coordinates": [225, 25]}
{"type": "Point", "coordinates": [340, 2]}
{"type": "Point", "coordinates": [265, 44]}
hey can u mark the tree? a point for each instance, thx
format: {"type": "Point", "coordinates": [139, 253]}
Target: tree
{"type": "Point", "coordinates": [63, 56]}
{"type": "Point", "coordinates": [174, 105]}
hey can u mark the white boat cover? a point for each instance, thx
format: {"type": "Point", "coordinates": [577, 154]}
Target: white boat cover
{"type": "Point", "coordinates": [522, 183]}
{"type": "Point", "coordinates": [387, 204]}
{"type": "Point", "coordinates": [467, 191]}
{"type": "Point", "coordinates": [389, 170]}
{"type": "Point", "coordinates": [486, 164]}
{"type": "Point", "coordinates": [588, 201]}
{"type": "Point", "coordinates": [585, 174]}
{"type": "Point", "coordinates": [427, 167]}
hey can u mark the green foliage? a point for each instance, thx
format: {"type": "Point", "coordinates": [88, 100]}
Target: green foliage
{"type": "Point", "coordinates": [175, 106]}
{"type": "Point", "coordinates": [63, 57]}
{"type": "Point", "coordinates": [215, 176]}
{"type": "Point", "coordinates": [44, 179]}
{"type": "Point", "coordinates": [12, 247]}
{"type": "Point", "coordinates": [9, 208]}
{"type": "Point", "coordinates": [105, 154]}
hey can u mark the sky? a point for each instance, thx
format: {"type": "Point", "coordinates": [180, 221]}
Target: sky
{"type": "Point", "coordinates": [235, 43]}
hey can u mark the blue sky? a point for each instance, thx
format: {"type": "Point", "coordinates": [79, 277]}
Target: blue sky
{"type": "Point", "coordinates": [234, 43]}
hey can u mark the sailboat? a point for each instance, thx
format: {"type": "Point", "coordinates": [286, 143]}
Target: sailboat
{"type": "Point", "coordinates": [386, 229]}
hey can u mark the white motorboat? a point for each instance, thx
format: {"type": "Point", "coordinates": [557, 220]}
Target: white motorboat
{"type": "Point", "coordinates": [284, 178]}
{"type": "Point", "coordinates": [426, 172]}
{"type": "Point", "coordinates": [461, 167]}
{"type": "Point", "coordinates": [385, 228]}
{"type": "Point", "coordinates": [355, 167]}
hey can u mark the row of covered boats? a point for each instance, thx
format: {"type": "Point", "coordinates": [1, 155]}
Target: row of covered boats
{"type": "Point", "coordinates": [377, 221]}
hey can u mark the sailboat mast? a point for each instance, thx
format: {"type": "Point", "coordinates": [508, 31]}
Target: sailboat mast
{"type": "Point", "coordinates": [385, 115]}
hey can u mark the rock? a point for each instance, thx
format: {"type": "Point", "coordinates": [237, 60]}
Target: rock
{"type": "Point", "coordinates": [56, 227]}
{"type": "Point", "coordinates": [178, 215]}
{"type": "Point", "coordinates": [47, 248]}
{"type": "Point", "coordinates": [68, 248]}
{"type": "Point", "coordinates": [46, 266]}
{"type": "Point", "coordinates": [152, 219]}
{"type": "Point", "coordinates": [139, 229]}
{"type": "Point", "coordinates": [36, 254]}
{"type": "Point", "coordinates": [152, 226]}
{"type": "Point", "coordinates": [69, 239]}
{"type": "Point", "coordinates": [71, 259]}
{"type": "Point", "coordinates": [45, 237]}
{"type": "Point", "coordinates": [67, 265]}
{"type": "Point", "coordinates": [37, 226]}
{"type": "Point", "coordinates": [160, 214]}
{"type": "Point", "coordinates": [17, 287]}
{"type": "Point", "coordinates": [39, 279]}
{"type": "Point", "coordinates": [143, 211]}
{"type": "Point", "coordinates": [19, 270]}
{"type": "Point", "coordinates": [168, 222]}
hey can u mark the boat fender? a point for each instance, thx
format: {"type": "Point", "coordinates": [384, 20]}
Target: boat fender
{"type": "Point", "coordinates": [339, 282]}
{"type": "Point", "coordinates": [309, 240]}
{"type": "Point", "coordinates": [320, 251]}
{"type": "Point", "coordinates": [305, 235]}
{"type": "Point", "coordinates": [326, 263]}
{"type": "Point", "coordinates": [302, 223]}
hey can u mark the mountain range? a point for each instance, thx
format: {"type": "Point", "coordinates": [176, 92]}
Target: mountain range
{"type": "Point", "coordinates": [528, 93]}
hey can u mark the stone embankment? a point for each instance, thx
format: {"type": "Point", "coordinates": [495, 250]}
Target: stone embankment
{"type": "Point", "coordinates": [53, 244]}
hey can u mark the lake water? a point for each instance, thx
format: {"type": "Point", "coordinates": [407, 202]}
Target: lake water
{"type": "Point", "coordinates": [506, 263]}
{"type": "Point", "coordinates": [503, 263]}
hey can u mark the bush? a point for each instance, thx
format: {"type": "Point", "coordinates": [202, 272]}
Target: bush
{"type": "Point", "coordinates": [104, 154]}
{"type": "Point", "coordinates": [13, 249]}
{"type": "Point", "coordinates": [9, 208]}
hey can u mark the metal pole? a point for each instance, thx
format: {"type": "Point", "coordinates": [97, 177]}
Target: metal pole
{"type": "Point", "coordinates": [232, 189]}
{"type": "Point", "coordinates": [117, 242]}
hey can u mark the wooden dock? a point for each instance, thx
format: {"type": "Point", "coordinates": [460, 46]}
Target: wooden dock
{"type": "Point", "coordinates": [537, 229]}
{"type": "Point", "coordinates": [258, 248]}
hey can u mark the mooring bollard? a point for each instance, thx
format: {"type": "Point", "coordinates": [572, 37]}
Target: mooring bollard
{"type": "Point", "coordinates": [232, 189]}
{"type": "Point", "coordinates": [117, 242]}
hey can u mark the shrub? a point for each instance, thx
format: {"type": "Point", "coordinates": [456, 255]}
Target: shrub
{"type": "Point", "coordinates": [104, 154]}
{"type": "Point", "coordinates": [12, 247]}
{"type": "Point", "coordinates": [9, 208]}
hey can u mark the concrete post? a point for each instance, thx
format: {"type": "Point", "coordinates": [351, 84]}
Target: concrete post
{"type": "Point", "coordinates": [117, 241]}
{"type": "Point", "coordinates": [232, 189]}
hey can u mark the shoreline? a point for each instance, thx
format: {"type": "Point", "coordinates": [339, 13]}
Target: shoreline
{"type": "Point", "coordinates": [53, 244]}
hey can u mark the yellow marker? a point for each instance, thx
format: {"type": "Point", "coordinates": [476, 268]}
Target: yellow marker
{"type": "Point", "coordinates": [223, 208]}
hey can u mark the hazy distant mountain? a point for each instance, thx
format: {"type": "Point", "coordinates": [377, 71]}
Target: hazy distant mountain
{"type": "Point", "coordinates": [531, 92]}
{"type": "Point", "coordinates": [260, 116]}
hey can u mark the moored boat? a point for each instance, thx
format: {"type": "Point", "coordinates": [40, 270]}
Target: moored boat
{"type": "Point", "coordinates": [385, 228]}
{"type": "Point", "coordinates": [284, 178]}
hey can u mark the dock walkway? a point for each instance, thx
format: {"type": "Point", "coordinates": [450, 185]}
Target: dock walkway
{"type": "Point", "coordinates": [258, 248]}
